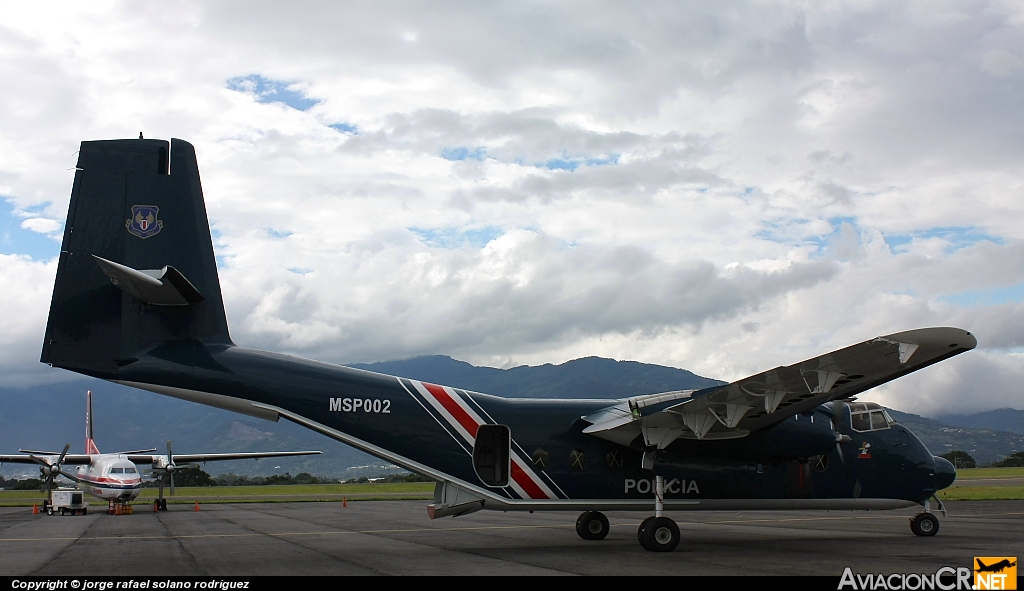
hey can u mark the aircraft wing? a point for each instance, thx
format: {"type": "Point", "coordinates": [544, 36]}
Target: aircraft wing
{"type": "Point", "coordinates": [196, 458]}
{"type": "Point", "coordinates": [734, 410]}
{"type": "Point", "coordinates": [69, 459]}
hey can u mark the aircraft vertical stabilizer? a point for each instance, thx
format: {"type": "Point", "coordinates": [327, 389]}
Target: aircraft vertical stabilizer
{"type": "Point", "coordinates": [137, 204]}
{"type": "Point", "coordinates": [90, 445]}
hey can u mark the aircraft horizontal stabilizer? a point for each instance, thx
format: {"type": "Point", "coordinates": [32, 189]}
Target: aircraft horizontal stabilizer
{"type": "Point", "coordinates": [162, 287]}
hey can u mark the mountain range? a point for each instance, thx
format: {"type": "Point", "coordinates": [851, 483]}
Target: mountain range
{"type": "Point", "coordinates": [47, 417]}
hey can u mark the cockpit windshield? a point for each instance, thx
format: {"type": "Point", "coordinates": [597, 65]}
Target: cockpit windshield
{"type": "Point", "coordinates": [868, 416]}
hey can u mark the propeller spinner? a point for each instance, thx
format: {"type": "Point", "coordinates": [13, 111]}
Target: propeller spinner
{"type": "Point", "coordinates": [51, 470]}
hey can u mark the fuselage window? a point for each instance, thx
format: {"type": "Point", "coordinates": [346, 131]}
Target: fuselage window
{"type": "Point", "coordinates": [541, 459]}
{"type": "Point", "coordinates": [577, 459]}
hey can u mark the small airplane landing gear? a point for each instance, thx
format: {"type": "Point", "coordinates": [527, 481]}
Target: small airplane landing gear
{"type": "Point", "coordinates": [592, 525]}
{"type": "Point", "coordinates": [658, 533]}
{"type": "Point", "coordinates": [925, 523]}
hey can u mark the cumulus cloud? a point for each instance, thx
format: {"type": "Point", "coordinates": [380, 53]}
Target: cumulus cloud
{"type": "Point", "coordinates": [723, 190]}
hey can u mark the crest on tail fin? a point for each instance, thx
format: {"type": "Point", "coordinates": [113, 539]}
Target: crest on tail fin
{"type": "Point", "coordinates": [144, 222]}
{"type": "Point", "coordinates": [90, 445]}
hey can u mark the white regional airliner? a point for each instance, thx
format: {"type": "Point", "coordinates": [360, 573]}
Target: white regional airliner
{"type": "Point", "coordinates": [115, 476]}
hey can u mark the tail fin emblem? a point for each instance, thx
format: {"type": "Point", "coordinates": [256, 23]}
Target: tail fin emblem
{"type": "Point", "coordinates": [143, 222]}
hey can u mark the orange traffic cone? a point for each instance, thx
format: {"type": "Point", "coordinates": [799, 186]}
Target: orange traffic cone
{"type": "Point", "coordinates": [156, 506]}
{"type": "Point", "coordinates": [35, 509]}
{"type": "Point", "coordinates": [344, 501]}
{"type": "Point", "coordinates": [117, 509]}
{"type": "Point", "coordinates": [196, 508]}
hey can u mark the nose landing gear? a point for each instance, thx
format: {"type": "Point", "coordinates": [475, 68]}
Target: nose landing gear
{"type": "Point", "coordinates": [925, 523]}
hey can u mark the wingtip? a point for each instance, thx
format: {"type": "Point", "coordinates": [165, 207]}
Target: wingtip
{"type": "Point", "coordinates": [945, 336]}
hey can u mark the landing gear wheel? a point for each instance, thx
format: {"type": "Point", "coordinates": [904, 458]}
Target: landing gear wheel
{"type": "Point", "coordinates": [924, 524]}
{"type": "Point", "coordinates": [640, 530]}
{"type": "Point", "coordinates": [661, 534]}
{"type": "Point", "coordinates": [163, 504]}
{"type": "Point", "coordinates": [592, 525]}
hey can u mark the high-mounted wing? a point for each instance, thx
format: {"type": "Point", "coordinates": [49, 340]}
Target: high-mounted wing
{"type": "Point", "coordinates": [734, 410]}
{"type": "Point", "coordinates": [194, 458]}
{"type": "Point", "coordinates": [69, 459]}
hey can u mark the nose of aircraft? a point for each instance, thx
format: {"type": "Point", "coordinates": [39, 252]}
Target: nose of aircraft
{"type": "Point", "coordinates": [945, 473]}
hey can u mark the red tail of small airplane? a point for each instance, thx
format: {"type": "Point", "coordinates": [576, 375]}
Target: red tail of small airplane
{"type": "Point", "coordinates": [90, 445]}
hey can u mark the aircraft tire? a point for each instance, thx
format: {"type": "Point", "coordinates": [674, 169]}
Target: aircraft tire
{"type": "Point", "coordinates": [592, 525]}
{"type": "Point", "coordinates": [924, 524]}
{"type": "Point", "coordinates": [661, 534]}
{"type": "Point", "coordinates": [640, 530]}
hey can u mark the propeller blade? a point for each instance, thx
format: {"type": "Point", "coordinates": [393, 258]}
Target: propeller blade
{"type": "Point", "coordinates": [170, 464]}
{"type": "Point", "coordinates": [60, 460]}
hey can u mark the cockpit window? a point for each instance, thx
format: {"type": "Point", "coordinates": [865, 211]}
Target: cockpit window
{"type": "Point", "coordinates": [861, 421]}
{"type": "Point", "coordinates": [117, 470]}
{"type": "Point", "coordinates": [130, 471]}
{"type": "Point", "coordinates": [867, 416]}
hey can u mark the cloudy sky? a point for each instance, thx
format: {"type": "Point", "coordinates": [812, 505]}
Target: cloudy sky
{"type": "Point", "coordinates": [719, 187]}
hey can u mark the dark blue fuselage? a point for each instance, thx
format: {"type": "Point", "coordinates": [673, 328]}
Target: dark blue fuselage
{"type": "Point", "coordinates": [798, 458]}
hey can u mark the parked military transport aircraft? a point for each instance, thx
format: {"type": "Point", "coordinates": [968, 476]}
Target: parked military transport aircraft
{"type": "Point", "coordinates": [115, 477]}
{"type": "Point", "coordinates": [137, 301]}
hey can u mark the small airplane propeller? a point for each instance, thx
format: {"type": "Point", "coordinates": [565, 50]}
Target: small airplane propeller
{"type": "Point", "coordinates": [50, 470]}
{"type": "Point", "coordinates": [170, 466]}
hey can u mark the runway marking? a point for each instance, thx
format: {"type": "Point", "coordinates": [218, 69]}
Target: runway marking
{"type": "Point", "coordinates": [476, 528]}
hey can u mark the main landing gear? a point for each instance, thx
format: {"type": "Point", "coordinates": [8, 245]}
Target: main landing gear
{"type": "Point", "coordinates": [592, 525]}
{"type": "Point", "coordinates": [656, 534]}
{"type": "Point", "coordinates": [925, 523]}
